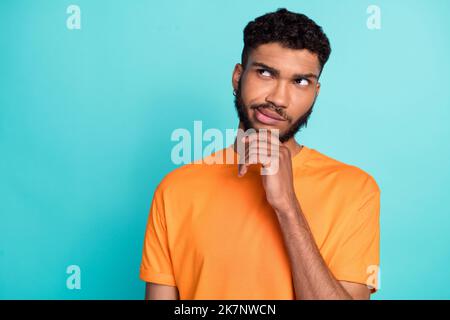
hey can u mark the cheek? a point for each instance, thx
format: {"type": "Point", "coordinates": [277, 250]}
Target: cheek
{"type": "Point", "coordinates": [304, 101]}
{"type": "Point", "coordinates": [301, 104]}
{"type": "Point", "coordinates": [254, 90]}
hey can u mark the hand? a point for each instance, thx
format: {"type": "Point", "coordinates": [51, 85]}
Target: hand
{"type": "Point", "coordinates": [276, 176]}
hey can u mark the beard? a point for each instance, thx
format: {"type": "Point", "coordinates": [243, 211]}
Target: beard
{"type": "Point", "coordinates": [242, 111]}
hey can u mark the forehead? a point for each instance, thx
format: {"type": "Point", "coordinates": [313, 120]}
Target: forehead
{"type": "Point", "coordinates": [287, 61]}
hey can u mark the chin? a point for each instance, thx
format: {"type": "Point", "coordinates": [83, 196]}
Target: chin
{"type": "Point", "coordinates": [260, 126]}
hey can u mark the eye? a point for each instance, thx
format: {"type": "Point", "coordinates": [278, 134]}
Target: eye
{"type": "Point", "coordinates": [264, 72]}
{"type": "Point", "coordinates": [302, 82]}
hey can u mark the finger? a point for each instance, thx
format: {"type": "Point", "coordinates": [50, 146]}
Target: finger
{"type": "Point", "coordinates": [251, 158]}
{"type": "Point", "coordinates": [267, 150]}
{"type": "Point", "coordinates": [273, 133]}
{"type": "Point", "coordinates": [242, 170]}
{"type": "Point", "coordinates": [263, 156]}
{"type": "Point", "coordinates": [265, 146]}
{"type": "Point", "coordinates": [256, 157]}
{"type": "Point", "coordinates": [257, 148]}
{"type": "Point", "coordinates": [268, 136]}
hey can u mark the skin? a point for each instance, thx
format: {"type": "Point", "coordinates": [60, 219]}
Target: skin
{"type": "Point", "coordinates": [155, 291]}
{"type": "Point", "coordinates": [272, 75]}
{"type": "Point", "coordinates": [281, 86]}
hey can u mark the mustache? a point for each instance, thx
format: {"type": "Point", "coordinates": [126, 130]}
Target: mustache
{"type": "Point", "coordinates": [272, 107]}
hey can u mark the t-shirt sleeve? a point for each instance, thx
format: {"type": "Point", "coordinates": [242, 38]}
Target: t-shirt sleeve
{"type": "Point", "coordinates": [357, 257]}
{"type": "Point", "coordinates": [156, 265]}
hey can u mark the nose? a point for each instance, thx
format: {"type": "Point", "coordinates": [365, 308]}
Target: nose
{"type": "Point", "coordinates": [279, 95]}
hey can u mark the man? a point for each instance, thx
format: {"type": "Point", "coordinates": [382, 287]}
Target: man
{"type": "Point", "coordinates": [308, 231]}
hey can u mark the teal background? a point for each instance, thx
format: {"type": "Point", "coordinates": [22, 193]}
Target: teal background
{"type": "Point", "coordinates": [86, 117]}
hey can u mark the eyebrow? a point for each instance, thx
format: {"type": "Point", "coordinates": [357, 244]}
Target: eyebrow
{"type": "Point", "coordinates": [277, 72]}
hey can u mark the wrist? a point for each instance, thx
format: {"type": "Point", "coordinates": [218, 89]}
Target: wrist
{"type": "Point", "coordinates": [290, 208]}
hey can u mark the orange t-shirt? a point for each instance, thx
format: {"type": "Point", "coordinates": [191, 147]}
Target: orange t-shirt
{"type": "Point", "coordinates": [213, 234]}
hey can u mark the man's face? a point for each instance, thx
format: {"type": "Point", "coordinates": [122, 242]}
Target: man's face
{"type": "Point", "coordinates": [277, 89]}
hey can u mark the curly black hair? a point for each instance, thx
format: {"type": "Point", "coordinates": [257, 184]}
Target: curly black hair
{"type": "Point", "coordinates": [292, 30]}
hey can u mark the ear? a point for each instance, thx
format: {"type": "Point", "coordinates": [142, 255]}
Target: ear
{"type": "Point", "coordinates": [317, 88]}
{"type": "Point", "coordinates": [237, 73]}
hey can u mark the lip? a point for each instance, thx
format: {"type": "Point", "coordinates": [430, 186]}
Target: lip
{"type": "Point", "coordinates": [267, 117]}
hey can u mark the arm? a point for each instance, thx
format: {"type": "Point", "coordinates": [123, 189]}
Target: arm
{"type": "Point", "coordinates": [156, 267]}
{"type": "Point", "coordinates": [311, 276]}
{"type": "Point", "coordinates": [155, 291]}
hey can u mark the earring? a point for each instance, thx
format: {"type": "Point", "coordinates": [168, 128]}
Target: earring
{"type": "Point", "coordinates": [234, 93]}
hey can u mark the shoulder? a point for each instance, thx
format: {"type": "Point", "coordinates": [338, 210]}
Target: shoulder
{"type": "Point", "coordinates": [194, 177]}
{"type": "Point", "coordinates": [346, 176]}
{"type": "Point", "coordinates": [180, 178]}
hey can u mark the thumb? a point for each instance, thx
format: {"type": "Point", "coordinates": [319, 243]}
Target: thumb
{"type": "Point", "coordinates": [242, 170]}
